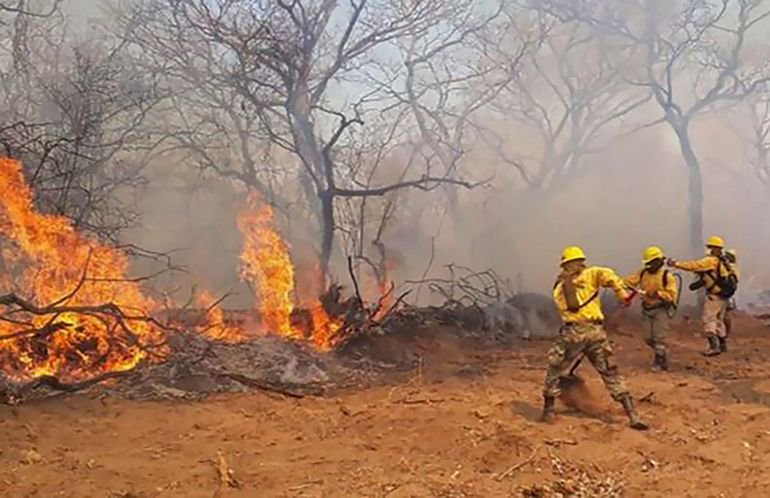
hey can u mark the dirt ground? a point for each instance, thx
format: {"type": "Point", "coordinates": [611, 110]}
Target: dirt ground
{"type": "Point", "coordinates": [463, 424]}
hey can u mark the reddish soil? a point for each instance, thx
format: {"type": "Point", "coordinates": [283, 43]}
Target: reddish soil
{"type": "Point", "coordinates": [464, 424]}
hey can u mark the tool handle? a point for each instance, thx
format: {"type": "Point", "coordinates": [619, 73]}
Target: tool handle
{"type": "Point", "coordinates": [576, 364]}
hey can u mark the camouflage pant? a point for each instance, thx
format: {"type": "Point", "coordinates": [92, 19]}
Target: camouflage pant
{"type": "Point", "coordinates": [659, 325]}
{"type": "Point", "coordinates": [590, 340]}
{"type": "Point", "coordinates": [714, 316]}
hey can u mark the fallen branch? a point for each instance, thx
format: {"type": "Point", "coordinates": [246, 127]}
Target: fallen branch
{"type": "Point", "coordinates": [262, 385]}
{"type": "Point", "coordinates": [110, 310]}
{"type": "Point", "coordinates": [648, 398]}
{"type": "Point", "coordinates": [519, 465]}
{"type": "Point", "coordinates": [396, 304]}
{"type": "Point", "coordinates": [559, 442]}
{"type": "Point", "coordinates": [422, 401]}
{"type": "Point", "coordinates": [38, 333]}
{"type": "Point", "coordinates": [376, 310]}
{"type": "Point", "coordinates": [19, 391]}
{"type": "Point", "coordinates": [468, 287]}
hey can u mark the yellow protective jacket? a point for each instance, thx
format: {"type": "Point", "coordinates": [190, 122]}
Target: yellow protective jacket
{"type": "Point", "coordinates": [657, 292]}
{"type": "Point", "coordinates": [708, 268]}
{"type": "Point", "coordinates": [588, 284]}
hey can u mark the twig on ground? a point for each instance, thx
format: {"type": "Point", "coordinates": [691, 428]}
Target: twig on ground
{"type": "Point", "coordinates": [258, 384]}
{"type": "Point", "coordinates": [559, 442]}
{"type": "Point", "coordinates": [306, 485]}
{"type": "Point", "coordinates": [18, 392]}
{"type": "Point", "coordinates": [519, 465]}
{"type": "Point", "coordinates": [225, 473]}
{"type": "Point", "coordinates": [424, 401]}
{"type": "Point", "coordinates": [647, 398]}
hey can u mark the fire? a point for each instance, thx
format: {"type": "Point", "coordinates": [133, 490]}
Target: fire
{"type": "Point", "coordinates": [387, 299]}
{"type": "Point", "coordinates": [214, 325]}
{"type": "Point", "coordinates": [266, 265]}
{"type": "Point", "coordinates": [44, 259]}
{"type": "Point", "coordinates": [47, 261]}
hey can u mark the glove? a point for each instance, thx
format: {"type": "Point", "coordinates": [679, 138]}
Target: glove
{"type": "Point", "coordinates": [627, 301]}
{"type": "Point", "coordinates": [671, 262]}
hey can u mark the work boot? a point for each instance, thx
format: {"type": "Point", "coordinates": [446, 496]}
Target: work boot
{"type": "Point", "coordinates": [634, 421]}
{"type": "Point", "coordinates": [723, 344]}
{"type": "Point", "coordinates": [548, 413]}
{"type": "Point", "coordinates": [660, 363]}
{"type": "Point", "coordinates": [656, 364]}
{"type": "Point", "coordinates": [713, 349]}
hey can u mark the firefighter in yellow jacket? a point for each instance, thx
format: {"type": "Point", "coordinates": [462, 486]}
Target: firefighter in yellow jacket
{"type": "Point", "coordinates": [576, 295]}
{"type": "Point", "coordinates": [715, 275]}
{"type": "Point", "coordinates": [732, 257]}
{"type": "Point", "coordinates": [659, 296]}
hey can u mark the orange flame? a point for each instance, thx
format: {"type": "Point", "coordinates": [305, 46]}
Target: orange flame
{"type": "Point", "coordinates": [214, 325]}
{"type": "Point", "coordinates": [52, 259]}
{"type": "Point", "coordinates": [44, 259]}
{"type": "Point", "coordinates": [267, 267]}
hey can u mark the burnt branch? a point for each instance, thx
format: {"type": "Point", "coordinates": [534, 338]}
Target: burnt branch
{"type": "Point", "coordinates": [14, 392]}
{"type": "Point", "coordinates": [102, 312]}
{"type": "Point", "coordinates": [425, 183]}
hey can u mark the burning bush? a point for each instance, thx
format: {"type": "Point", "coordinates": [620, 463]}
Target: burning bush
{"type": "Point", "coordinates": [84, 316]}
{"type": "Point", "coordinates": [69, 311]}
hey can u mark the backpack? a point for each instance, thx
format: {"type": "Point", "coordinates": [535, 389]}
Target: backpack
{"type": "Point", "coordinates": [728, 284]}
{"type": "Point", "coordinates": [665, 276]}
{"type": "Point", "coordinates": [665, 284]}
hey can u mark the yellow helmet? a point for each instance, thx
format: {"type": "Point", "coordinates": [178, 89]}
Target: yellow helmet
{"type": "Point", "coordinates": [652, 253]}
{"type": "Point", "coordinates": [572, 253]}
{"type": "Point", "coordinates": [715, 242]}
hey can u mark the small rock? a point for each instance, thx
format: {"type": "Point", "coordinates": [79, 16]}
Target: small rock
{"type": "Point", "coordinates": [29, 457]}
{"type": "Point", "coordinates": [481, 413]}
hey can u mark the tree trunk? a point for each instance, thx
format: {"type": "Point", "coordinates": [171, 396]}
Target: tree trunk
{"type": "Point", "coordinates": [327, 232]}
{"type": "Point", "coordinates": [310, 151]}
{"type": "Point", "coordinates": [694, 188]}
{"type": "Point", "coordinates": [694, 194]}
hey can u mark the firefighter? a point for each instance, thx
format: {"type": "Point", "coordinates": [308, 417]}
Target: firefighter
{"type": "Point", "coordinates": [659, 296]}
{"type": "Point", "coordinates": [576, 295]}
{"type": "Point", "coordinates": [732, 257]}
{"type": "Point", "coordinates": [717, 277]}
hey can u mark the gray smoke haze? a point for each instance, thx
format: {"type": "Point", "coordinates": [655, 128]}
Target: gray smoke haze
{"type": "Point", "coordinates": [630, 194]}
{"type": "Point", "coordinates": [633, 196]}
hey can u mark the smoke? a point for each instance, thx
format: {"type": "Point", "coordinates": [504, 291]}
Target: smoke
{"type": "Point", "coordinates": [631, 194]}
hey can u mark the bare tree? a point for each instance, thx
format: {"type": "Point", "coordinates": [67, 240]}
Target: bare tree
{"type": "Point", "coordinates": [288, 63]}
{"type": "Point", "coordinates": [74, 113]}
{"type": "Point", "coordinates": [570, 97]}
{"type": "Point", "coordinates": [706, 41]}
{"type": "Point", "coordinates": [21, 7]}
{"type": "Point", "coordinates": [445, 80]}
